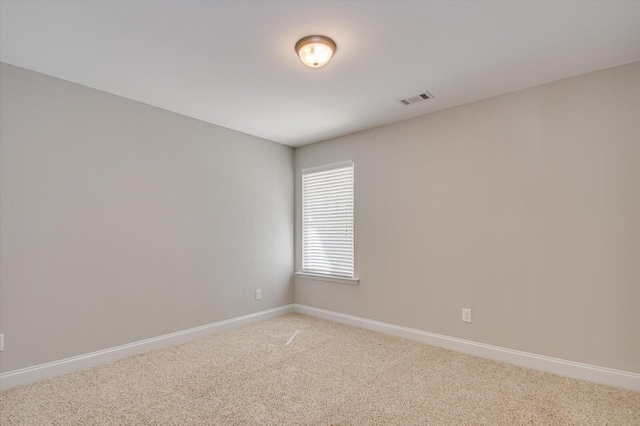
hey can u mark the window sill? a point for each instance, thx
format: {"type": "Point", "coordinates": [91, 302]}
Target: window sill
{"type": "Point", "coordinates": [341, 280]}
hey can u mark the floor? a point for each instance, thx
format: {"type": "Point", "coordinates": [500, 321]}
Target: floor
{"type": "Point", "coordinates": [301, 370]}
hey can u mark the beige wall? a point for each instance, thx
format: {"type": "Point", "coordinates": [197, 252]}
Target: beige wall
{"type": "Point", "coordinates": [524, 207]}
{"type": "Point", "coordinates": [121, 222]}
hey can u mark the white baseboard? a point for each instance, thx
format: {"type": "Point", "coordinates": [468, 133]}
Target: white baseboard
{"type": "Point", "coordinates": [607, 376]}
{"type": "Point", "coordinates": [57, 368]}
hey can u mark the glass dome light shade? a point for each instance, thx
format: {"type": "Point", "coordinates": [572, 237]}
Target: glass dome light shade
{"type": "Point", "coordinates": [315, 51]}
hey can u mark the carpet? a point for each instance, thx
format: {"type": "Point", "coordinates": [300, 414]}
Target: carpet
{"type": "Point", "coordinates": [300, 370]}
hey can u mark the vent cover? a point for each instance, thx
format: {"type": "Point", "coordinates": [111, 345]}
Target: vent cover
{"type": "Point", "coordinates": [415, 99]}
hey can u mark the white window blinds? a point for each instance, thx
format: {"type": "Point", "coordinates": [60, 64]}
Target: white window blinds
{"type": "Point", "coordinates": [327, 220]}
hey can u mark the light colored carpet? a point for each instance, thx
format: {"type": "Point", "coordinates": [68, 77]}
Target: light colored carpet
{"type": "Point", "coordinates": [328, 374]}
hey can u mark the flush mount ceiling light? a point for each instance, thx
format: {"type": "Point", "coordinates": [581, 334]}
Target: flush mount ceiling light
{"type": "Point", "coordinates": [316, 50]}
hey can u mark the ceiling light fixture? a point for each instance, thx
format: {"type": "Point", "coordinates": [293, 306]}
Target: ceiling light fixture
{"type": "Point", "coordinates": [316, 50]}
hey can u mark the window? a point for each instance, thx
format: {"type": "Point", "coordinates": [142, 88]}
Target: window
{"type": "Point", "coordinates": [327, 220]}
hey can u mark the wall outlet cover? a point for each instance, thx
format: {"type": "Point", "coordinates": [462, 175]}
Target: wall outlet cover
{"type": "Point", "coordinates": [1, 342]}
{"type": "Point", "coordinates": [466, 315]}
{"type": "Point", "coordinates": [258, 294]}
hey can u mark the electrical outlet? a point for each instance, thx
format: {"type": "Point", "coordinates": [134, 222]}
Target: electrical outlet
{"type": "Point", "coordinates": [466, 315]}
{"type": "Point", "coordinates": [1, 342]}
{"type": "Point", "coordinates": [258, 294]}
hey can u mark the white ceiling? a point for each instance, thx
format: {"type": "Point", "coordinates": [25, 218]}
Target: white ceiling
{"type": "Point", "coordinates": [233, 63]}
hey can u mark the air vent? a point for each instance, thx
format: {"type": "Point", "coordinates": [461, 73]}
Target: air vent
{"type": "Point", "coordinates": [415, 99]}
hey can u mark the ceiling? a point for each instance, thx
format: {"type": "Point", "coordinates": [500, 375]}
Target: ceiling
{"type": "Point", "coordinates": [233, 63]}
